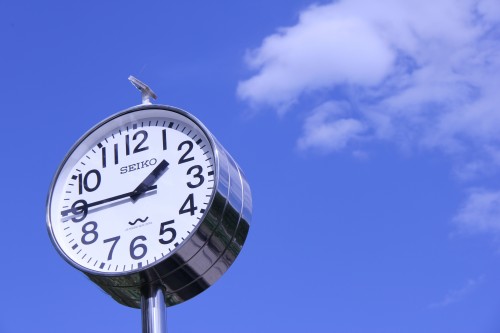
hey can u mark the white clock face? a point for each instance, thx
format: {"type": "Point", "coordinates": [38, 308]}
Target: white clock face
{"type": "Point", "coordinates": [132, 191]}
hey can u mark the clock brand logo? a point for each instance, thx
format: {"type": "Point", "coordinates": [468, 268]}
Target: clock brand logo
{"type": "Point", "coordinates": [138, 166]}
{"type": "Point", "coordinates": [143, 223]}
{"type": "Point", "coordinates": [139, 220]}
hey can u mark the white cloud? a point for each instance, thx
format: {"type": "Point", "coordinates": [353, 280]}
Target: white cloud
{"type": "Point", "coordinates": [457, 295]}
{"type": "Point", "coordinates": [316, 53]}
{"type": "Point", "coordinates": [330, 128]}
{"type": "Point", "coordinates": [417, 72]}
{"type": "Point", "coordinates": [490, 9]}
{"type": "Point", "coordinates": [480, 212]}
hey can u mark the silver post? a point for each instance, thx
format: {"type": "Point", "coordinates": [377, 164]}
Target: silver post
{"type": "Point", "coordinates": [153, 310]}
{"type": "Point", "coordinates": [146, 92]}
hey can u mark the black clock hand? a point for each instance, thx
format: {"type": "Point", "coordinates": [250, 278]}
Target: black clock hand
{"type": "Point", "coordinates": [149, 180]}
{"type": "Point", "coordinates": [81, 206]}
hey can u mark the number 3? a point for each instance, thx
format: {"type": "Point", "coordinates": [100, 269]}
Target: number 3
{"type": "Point", "coordinates": [196, 175]}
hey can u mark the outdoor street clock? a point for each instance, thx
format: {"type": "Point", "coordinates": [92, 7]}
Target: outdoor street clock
{"type": "Point", "coordinates": [149, 197]}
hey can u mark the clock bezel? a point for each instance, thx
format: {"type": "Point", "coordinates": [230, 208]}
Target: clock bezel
{"type": "Point", "coordinates": [128, 117]}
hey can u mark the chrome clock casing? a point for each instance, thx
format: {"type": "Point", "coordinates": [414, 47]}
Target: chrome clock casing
{"type": "Point", "coordinates": [201, 259]}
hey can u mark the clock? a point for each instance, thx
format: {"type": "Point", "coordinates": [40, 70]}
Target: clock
{"type": "Point", "coordinates": [149, 196]}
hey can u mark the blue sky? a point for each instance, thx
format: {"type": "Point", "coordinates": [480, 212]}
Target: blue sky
{"type": "Point", "coordinates": [369, 132]}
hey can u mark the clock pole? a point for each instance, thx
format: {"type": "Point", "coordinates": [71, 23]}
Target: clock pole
{"type": "Point", "coordinates": [153, 309]}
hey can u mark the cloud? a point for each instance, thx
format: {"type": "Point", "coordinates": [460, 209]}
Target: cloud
{"type": "Point", "coordinates": [329, 128]}
{"type": "Point", "coordinates": [323, 49]}
{"type": "Point", "coordinates": [480, 212]}
{"type": "Point", "coordinates": [457, 295]}
{"type": "Point", "coordinates": [417, 73]}
{"type": "Point", "coordinates": [424, 75]}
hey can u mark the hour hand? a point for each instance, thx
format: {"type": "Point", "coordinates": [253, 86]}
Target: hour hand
{"type": "Point", "coordinates": [149, 180]}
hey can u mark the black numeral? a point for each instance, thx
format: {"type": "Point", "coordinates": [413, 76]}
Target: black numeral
{"type": "Point", "coordinates": [114, 240]}
{"type": "Point", "coordinates": [116, 153]}
{"type": "Point", "coordinates": [184, 157]}
{"type": "Point", "coordinates": [103, 151]}
{"type": "Point", "coordinates": [89, 230]}
{"type": "Point", "coordinates": [164, 229]}
{"type": "Point", "coordinates": [164, 138]}
{"type": "Point", "coordinates": [83, 181]}
{"type": "Point", "coordinates": [198, 175]}
{"type": "Point", "coordinates": [80, 209]}
{"type": "Point", "coordinates": [139, 146]}
{"type": "Point", "coordinates": [143, 249]}
{"type": "Point", "coordinates": [127, 144]}
{"type": "Point", "coordinates": [188, 205]}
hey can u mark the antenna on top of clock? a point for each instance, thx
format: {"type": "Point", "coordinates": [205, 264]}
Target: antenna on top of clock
{"type": "Point", "coordinates": [146, 92]}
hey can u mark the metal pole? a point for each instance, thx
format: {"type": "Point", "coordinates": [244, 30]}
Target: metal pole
{"type": "Point", "coordinates": [153, 310]}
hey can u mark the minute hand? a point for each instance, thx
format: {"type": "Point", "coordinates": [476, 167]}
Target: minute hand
{"type": "Point", "coordinates": [81, 205]}
{"type": "Point", "coordinates": [149, 180]}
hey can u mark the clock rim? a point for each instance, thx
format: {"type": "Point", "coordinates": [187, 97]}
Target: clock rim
{"type": "Point", "coordinates": [81, 140]}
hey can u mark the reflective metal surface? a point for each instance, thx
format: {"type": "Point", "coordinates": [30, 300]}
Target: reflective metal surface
{"type": "Point", "coordinates": [203, 258]}
{"type": "Point", "coordinates": [145, 90]}
{"type": "Point", "coordinates": [153, 310]}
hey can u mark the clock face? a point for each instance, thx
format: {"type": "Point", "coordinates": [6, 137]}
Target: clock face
{"type": "Point", "coordinates": [132, 191]}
